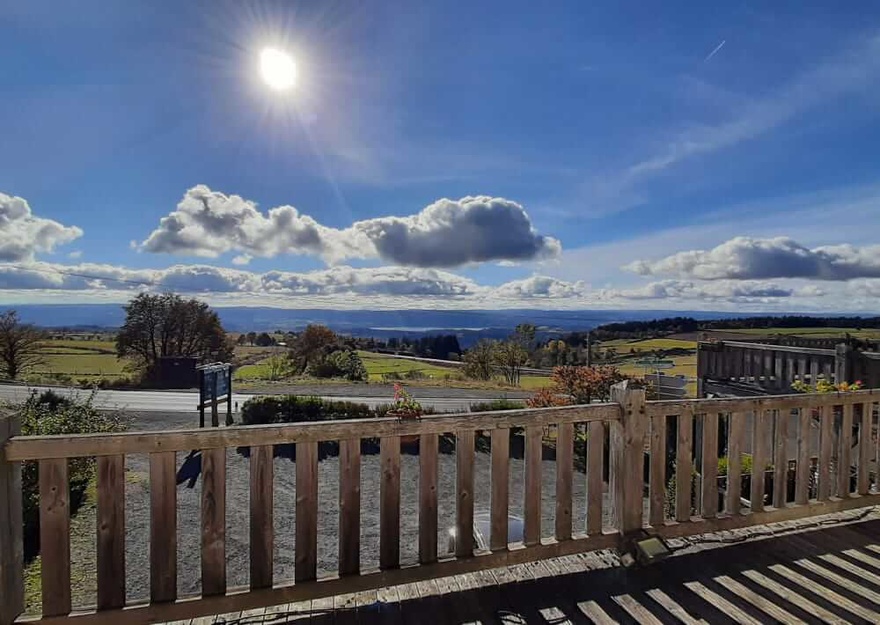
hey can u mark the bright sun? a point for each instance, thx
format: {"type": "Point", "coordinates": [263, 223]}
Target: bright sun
{"type": "Point", "coordinates": [278, 69]}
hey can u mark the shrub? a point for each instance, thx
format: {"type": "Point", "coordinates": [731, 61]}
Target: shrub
{"type": "Point", "coordinates": [496, 404]}
{"type": "Point", "coordinates": [339, 364]}
{"type": "Point", "coordinates": [50, 413]}
{"type": "Point", "coordinates": [296, 409]}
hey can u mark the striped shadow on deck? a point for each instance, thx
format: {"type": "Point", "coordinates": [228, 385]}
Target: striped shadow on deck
{"type": "Point", "coordinates": [829, 575]}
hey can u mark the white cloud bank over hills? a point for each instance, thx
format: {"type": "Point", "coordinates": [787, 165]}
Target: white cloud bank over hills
{"type": "Point", "coordinates": [404, 287]}
{"type": "Point", "coordinates": [23, 235]}
{"type": "Point", "coordinates": [744, 258]}
{"type": "Point", "coordinates": [447, 233]}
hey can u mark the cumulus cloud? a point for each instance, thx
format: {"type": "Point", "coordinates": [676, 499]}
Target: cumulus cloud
{"type": "Point", "coordinates": [541, 287]}
{"type": "Point", "coordinates": [744, 258]}
{"type": "Point", "coordinates": [22, 234]}
{"type": "Point", "coordinates": [447, 233]}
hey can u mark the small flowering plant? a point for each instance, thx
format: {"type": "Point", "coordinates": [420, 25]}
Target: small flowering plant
{"type": "Point", "coordinates": [404, 406]}
{"type": "Point", "coordinates": [826, 386]}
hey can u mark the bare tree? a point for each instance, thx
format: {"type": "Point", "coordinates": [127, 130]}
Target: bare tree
{"type": "Point", "coordinates": [478, 360]}
{"type": "Point", "coordinates": [21, 345]}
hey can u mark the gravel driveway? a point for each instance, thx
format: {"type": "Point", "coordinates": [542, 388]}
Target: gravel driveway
{"type": "Point", "coordinates": [237, 513]}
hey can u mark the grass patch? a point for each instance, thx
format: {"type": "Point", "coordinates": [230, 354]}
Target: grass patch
{"type": "Point", "coordinates": [379, 365]}
{"type": "Point", "coordinates": [74, 365]}
{"type": "Point", "coordinates": [684, 365]}
{"type": "Point", "coordinates": [646, 345]}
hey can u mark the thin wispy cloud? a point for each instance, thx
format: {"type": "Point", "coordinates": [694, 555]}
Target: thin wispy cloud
{"type": "Point", "coordinates": [714, 52]}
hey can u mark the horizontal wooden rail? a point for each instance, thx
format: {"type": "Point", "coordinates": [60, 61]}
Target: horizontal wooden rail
{"type": "Point", "coordinates": [771, 402]}
{"type": "Point", "coordinates": [83, 445]}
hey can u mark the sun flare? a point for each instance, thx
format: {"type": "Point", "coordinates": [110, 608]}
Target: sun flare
{"type": "Point", "coordinates": [278, 69]}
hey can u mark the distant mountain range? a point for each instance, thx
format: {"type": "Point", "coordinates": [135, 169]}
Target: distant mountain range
{"type": "Point", "coordinates": [469, 325]}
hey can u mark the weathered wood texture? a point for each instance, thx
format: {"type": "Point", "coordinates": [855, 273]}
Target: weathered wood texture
{"type": "Point", "coordinates": [11, 545]}
{"type": "Point", "coordinates": [163, 527]}
{"type": "Point", "coordinates": [55, 536]}
{"type": "Point", "coordinates": [428, 448]}
{"type": "Point", "coordinates": [532, 493]}
{"type": "Point", "coordinates": [214, 522]}
{"type": "Point", "coordinates": [500, 489]}
{"type": "Point", "coordinates": [564, 477]}
{"type": "Point", "coordinates": [464, 493]}
{"type": "Point", "coordinates": [111, 532]}
{"type": "Point", "coordinates": [262, 529]}
{"type": "Point", "coordinates": [306, 541]}
{"type": "Point", "coordinates": [389, 504]}
{"type": "Point", "coordinates": [349, 506]}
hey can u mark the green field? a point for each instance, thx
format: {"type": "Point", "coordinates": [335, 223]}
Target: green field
{"type": "Point", "coordinates": [379, 365]}
{"type": "Point", "coordinates": [97, 365]}
{"type": "Point", "coordinates": [647, 345]}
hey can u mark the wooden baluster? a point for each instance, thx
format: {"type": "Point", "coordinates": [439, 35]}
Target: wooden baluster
{"type": "Point", "coordinates": [779, 369]}
{"type": "Point", "coordinates": [213, 522]}
{"type": "Point", "coordinates": [657, 477]}
{"type": "Point", "coordinates": [428, 447]}
{"type": "Point", "coordinates": [844, 455]}
{"type": "Point", "coordinates": [864, 481]}
{"type": "Point", "coordinates": [55, 536]}
{"type": "Point", "coordinates": [814, 370]}
{"type": "Point", "coordinates": [709, 469]}
{"type": "Point", "coordinates": [262, 529]}
{"type": "Point", "coordinates": [684, 463]}
{"type": "Point", "coordinates": [11, 524]}
{"type": "Point", "coordinates": [734, 462]}
{"type": "Point", "coordinates": [500, 487]}
{"type": "Point", "coordinates": [780, 459]}
{"type": "Point", "coordinates": [389, 506]}
{"type": "Point", "coordinates": [595, 463]}
{"type": "Point", "coordinates": [564, 467]}
{"type": "Point", "coordinates": [163, 527]}
{"type": "Point", "coordinates": [827, 368]}
{"type": "Point", "coordinates": [826, 450]}
{"type": "Point", "coordinates": [111, 532]}
{"type": "Point", "coordinates": [349, 506]}
{"type": "Point", "coordinates": [464, 491]}
{"type": "Point", "coordinates": [802, 368]}
{"type": "Point", "coordinates": [760, 433]}
{"type": "Point", "coordinates": [532, 494]}
{"type": "Point", "coordinates": [802, 473]}
{"type": "Point", "coordinates": [305, 566]}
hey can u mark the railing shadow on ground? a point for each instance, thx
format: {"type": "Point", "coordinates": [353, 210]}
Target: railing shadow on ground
{"type": "Point", "coordinates": [556, 594]}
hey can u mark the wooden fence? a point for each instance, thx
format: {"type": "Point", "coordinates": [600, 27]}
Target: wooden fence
{"type": "Point", "coordinates": [625, 439]}
{"type": "Point", "coordinates": [774, 367]}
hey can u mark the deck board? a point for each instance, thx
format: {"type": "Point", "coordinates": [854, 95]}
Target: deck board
{"type": "Point", "coordinates": [825, 574]}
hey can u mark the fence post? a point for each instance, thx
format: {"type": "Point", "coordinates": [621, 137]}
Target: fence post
{"type": "Point", "coordinates": [11, 542]}
{"type": "Point", "coordinates": [701, 367]}
{"type": "Point", "coordinates": [628, 457]}
{"type": "Point", "coordinates": [842, 362]}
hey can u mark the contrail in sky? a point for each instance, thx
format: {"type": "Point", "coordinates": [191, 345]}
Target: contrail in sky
{"type": "Point", "coordinates": [715, 51]}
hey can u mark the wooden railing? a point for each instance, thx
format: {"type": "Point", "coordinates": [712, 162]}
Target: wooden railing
{"type": "Point", "coordinates": [806, 435]}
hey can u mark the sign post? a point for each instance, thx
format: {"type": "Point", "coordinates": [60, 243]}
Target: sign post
{"type": "Point", "coordinates": [215, 384]}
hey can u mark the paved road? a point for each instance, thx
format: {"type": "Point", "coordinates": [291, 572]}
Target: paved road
{"type": "Point", "coordinates": [181, 401]}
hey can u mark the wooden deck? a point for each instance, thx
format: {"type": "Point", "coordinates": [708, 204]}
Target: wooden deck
{"type": "Point", "coordinates": [828, 574]}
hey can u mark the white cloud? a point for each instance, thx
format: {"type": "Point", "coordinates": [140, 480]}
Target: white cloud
{"type": "Point", "coordinates": [346, 287]}
{"type": "Point", "coordinates": [447, 233]}
{"type": "Point", "coordinates": [75, 254]}
{"type": "Point", "coordinates": [242, 259]}
{"type": "Point", "coordinates": [23, 235]}
{"type": "Point", "coordinates": [540, 287]}
{"type": "Point", "coordinates": [695, 291]}
{"type": "Point", "coordinates": [745, 258]}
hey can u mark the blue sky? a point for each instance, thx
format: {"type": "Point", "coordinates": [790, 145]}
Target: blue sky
{"type": "Point", "coordinates": [607, 154]}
